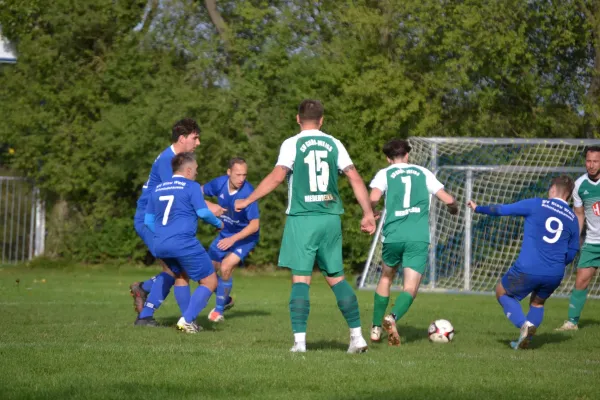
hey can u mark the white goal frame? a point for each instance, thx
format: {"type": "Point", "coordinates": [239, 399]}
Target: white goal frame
{"type": "Point", "coordinates": [433, 165]}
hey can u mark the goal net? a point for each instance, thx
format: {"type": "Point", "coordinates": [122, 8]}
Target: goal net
{"type": "Point", "coordinates": [470, 252]}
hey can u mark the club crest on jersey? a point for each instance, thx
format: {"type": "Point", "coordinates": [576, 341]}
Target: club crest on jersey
{"type": "Point", "coordinates": [596, 208]}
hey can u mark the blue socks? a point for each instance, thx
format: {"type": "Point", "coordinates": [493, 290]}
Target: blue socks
{"type": "Point", "coordinates": [197, 303]}
{"type": "Point", "coordinates": [147, 285]}
{"type": "Point", "coordinates": [512, 310]}
{"type": "Point", "coordinates": [182, 295]}
{"type": "Point", "coordinates": [223, 290]}
{"type": "Point", "coordinates": [535, 315]}
{"type": "Point", "coordinates": [160, 290]}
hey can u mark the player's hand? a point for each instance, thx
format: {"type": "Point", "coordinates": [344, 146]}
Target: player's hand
{"type": "Point", "coordinates": [367, 224]}
{"type": "Point", "coordinates": [472, 205]}
{"type": "Point", "coordinates": [226, 243]}
{"type": "Point", "coordinates": [239, 205]}
{"type": "Point", "coordinates": [377, 215]}
{"type": "Point", "coordinates": [216, 209]}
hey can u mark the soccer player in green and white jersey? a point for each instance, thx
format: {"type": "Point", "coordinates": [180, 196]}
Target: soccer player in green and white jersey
{"type": "Point", "coordinates": [586, 202]}
{"type": "Point", "coordinates": [313, 229]}
{"type": "Point", "coordinates": [408, 189]}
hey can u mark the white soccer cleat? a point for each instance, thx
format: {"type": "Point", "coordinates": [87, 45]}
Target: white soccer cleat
{"type": "Point", "coordinates": [215, 316]}
{"type": "Point", "coordinates": [376, 333]}
{"type": "Point", "coordinates": [188, 328]}
{"type": "Point", "coordinates": [358, 344]}
{"type": "Point", "coordinates": [389, 324]}
{"type": "Point", "coordinates": [298, 348]}
{"type": "Point", "coordinates": [527, 332]}
{"type": "Point", "coordinates": [568, 326]}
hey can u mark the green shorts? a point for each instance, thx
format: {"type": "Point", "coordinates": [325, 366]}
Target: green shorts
{"type": "Point", "coordinates": [589, 256]}
{"type": "Point", "coordinates": [411, 255]}
{"type": "Point", "coordinates": [310, 238]}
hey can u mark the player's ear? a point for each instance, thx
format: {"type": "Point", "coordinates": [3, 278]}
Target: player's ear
{"type": "Point", "coordinates": [298, 119]}
{"type": "Point", "coordinates": [321, 122]}
{"type": "Point", "coordinates": [228, 171]}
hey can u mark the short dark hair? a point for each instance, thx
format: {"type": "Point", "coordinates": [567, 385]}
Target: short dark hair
{"type": "Point", "coordinates": [236, 160]}
{"type": "Point", "coordinates": [396, 148]}
{"type": "Point", "coordinates": [184, 128]}
{"type": "Point", "coordinates": [181, 159]}
{"type": "Point", "coordinates": [310, 110]}
{"type": "Point", "coordinates": [564, 184]}
{"type": "Point", "coordinates": [594, 149]}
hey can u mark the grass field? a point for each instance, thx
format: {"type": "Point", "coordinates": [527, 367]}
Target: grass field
{"type": "Point", "coordinates": [67, 333]}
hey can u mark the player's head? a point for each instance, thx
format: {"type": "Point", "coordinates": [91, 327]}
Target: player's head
{"type": "Point", "coordinates": [562, 187]}
{"type": "Point", "coordinates": [592, 161]}
{"type": "Point", "coordinates": [185, 164]}
{"type": "Point", "coordinates": [396, 150]}
{"type": "Point", "coordinates": [310, 114]}
{"type": "Point", "coordinates": [185, 135]}
{"type": "Point", "coordinates": [237, 171]}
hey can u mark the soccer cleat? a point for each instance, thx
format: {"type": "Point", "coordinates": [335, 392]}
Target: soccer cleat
{"type": "Point", "coordinates": [568, 326]}
{"type": "Point", "coordinates": [527, 332]}
{"type": "Point", "coordinates": [229, 304]}
{"type": "Point", "coordinates": [298, 348]}
{"type": "Point", "coordinates": [188, 328]}
{"type": "Point", "coordinates": [376, 333]}
{"type": "Point", "coordinates": [215, 316]}
{"type": "Point", "coordinates": [148, 321]}
{"type": "Point", "coordinates": [389, 324]}
{"type": "Point", "coordinates": [139, 296]}
{"type": "Point", "coordinates": [358, 345]}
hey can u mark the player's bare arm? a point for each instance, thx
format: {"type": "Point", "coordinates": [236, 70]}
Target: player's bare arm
{"type": "Point", "coordinates": [215, 208]}
{"type": "Point", "coordinates": [580, 213]}
{"type": "Point", "coordinates": [252, 228]}
{"type": "Point", "coordinates": [268, 184]}
{"type": "Point", "coordinates": [448, 200]}
{"type": "Point", "coordinates": [375, 196]}
{"type": "Point", "coordinates": [362, 196]}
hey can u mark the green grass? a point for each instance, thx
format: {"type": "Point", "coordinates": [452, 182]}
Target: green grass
{"type": "Point", "coordinates": [71, 336]}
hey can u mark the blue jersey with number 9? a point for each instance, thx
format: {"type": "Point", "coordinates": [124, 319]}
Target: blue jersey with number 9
{"type": "Point", "coordinates": [174, 205]}
{"type": "Point", "coordinates": [551, 231]}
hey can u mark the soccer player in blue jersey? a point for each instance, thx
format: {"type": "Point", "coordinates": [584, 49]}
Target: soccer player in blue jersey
{"type": "Point", "coordinates": [184, 138]}
{"type": "Point", "coordinates": [550, 243]}
{"type": "Point", "coordinates": [240, 234]}
{"type": "Point", "coordinates": [172, 214]}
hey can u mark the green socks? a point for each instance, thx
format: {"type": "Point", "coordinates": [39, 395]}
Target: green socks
{"type": "Point", "coordinates": [379, 306]}
{"type": "Point", "coordinates": [403, 302]}
{"type": "Point", "coordinates": [299, 306]}
{"type": "Point", "coordinates": [347, 303]}
{"type": "Point", "coordinates": [576, 304]}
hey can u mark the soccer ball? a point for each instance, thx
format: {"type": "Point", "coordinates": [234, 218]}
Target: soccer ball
{"type": "Point", "coordinates": [440, 331]}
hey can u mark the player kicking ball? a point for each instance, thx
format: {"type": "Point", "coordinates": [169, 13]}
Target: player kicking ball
{"type": "Point", "coordinates": [550, 243]}
{"type": "Point", "coordinates": [172, 214]}
{"type": "Point", "coordinates": [239, 235]}
{"type": "Point", "coordinates": [408, 189]}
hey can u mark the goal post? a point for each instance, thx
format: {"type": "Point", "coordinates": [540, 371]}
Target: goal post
{"type": "Point", "coordinates": [470, 252]}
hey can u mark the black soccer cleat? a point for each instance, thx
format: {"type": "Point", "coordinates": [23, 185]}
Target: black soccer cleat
{"type": "Point", "coordinates": [148, 321]}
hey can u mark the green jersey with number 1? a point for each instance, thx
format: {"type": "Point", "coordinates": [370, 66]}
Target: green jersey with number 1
{"type": "Point", "coordinates": [314, 159]}
{"type": "Point", "coordinates": [408, 189]}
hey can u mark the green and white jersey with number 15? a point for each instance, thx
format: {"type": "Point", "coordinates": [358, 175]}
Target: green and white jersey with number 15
{"type": "Point", "coordinates": [587, 195]}
{"type": "Point", "coordinates": [314, 159]}
{"type": "Point", "coordinates": [408, 189]}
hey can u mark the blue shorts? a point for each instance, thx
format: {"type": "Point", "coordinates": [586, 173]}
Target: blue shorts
{"type": "Point", "coordinates": [197, 266]}
{"type": "Point", "coordinates": [519, 285]}
{"type": "Point", "coordinates": [241, 249]}
{"type": "Point", "coordinates": [145, 234]}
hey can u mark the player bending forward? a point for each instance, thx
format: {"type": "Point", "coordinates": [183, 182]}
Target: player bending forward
{"type": "Point", "coordinates": [172, 214]}
{"type": "Point", "coordinates": [408, 189]}
{"type": "Point", "coordinates": [313, 229]}
{"type": "Point", "coordinates": [550, 243]}
{"type": "Point", "coordinates": [240, 234]}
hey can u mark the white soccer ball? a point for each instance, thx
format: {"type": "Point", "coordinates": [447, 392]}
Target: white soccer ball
{"type": "Point", "coordinates": [440, 331]}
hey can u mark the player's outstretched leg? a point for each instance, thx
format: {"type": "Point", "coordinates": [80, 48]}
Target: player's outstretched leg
{"type": "Point", "coordinates": [381, 301]}
{"type": "Point", "coordinates": [299, 309]}
{"type": "Point", "coordinates": [182, 293]}
{"type": "Point", "coordinates": [160, 290]}
{"type": "Point", "coordinates": [224, 287]}
{"type": "Point", "coordinates": [348, 305]}
{"type": "Point", "coordinates": [198, 302]}
{"type": "Point", "coordinates": [412, 280]}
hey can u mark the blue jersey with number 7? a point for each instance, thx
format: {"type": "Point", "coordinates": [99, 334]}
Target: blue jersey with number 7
{"type": "Point", "coordinates": [551, 234]}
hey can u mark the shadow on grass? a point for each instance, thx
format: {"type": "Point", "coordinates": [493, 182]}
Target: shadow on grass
{"type": "Point", "coordinates": [326, 345]}
{"type": "Point", "coordinates": [540, 340]}
{"type": "Point", "coordinates": [588, 323]}
{"type": "Point", "coordinates": [248, 313]}
{"type": "Point", "coordinates": [203, 320]}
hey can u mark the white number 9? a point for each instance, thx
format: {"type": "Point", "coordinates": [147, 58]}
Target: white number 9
{"type": "Point", "coordinates": [556, 231]}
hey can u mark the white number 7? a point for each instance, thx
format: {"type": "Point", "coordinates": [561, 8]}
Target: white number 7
{"type": "Point", "coordinates": [170, 199]}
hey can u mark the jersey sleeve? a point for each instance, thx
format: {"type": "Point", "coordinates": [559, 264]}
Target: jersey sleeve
{"type": "Point", "coordinates": [210, 188]}
{"type": "Point", "coordinates": [380, 181]}
{"type": "Point", "coordinates": [150, 205]}
{"type": "Point", "coordinates": [165, 170]}
{"type": "Point", "coordinates": [252, 211]}
{"type": "Point", "coordinates": [433, 185]}
{"type": "Point", "coordinates": [576, 197]}
{"type": "Point", "coordinates": [521, 208]}
{"type": "Point", "coordinates": [287, 154]}
{"type": "Point", "coordinates": [196, 197]}
{"type": "Point", "coordinates": [343, 160]}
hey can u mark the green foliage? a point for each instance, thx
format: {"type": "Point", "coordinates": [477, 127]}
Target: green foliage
{"type": "Point", "coordinates": [99, 83]}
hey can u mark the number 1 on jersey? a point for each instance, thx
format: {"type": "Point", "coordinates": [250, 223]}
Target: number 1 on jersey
{"type": "Point", "coordinates": [315, 162]}
{"type": "Point", "coordinates": [407, 187]}
{"type": "Point", "coordinates": [170, 199]}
